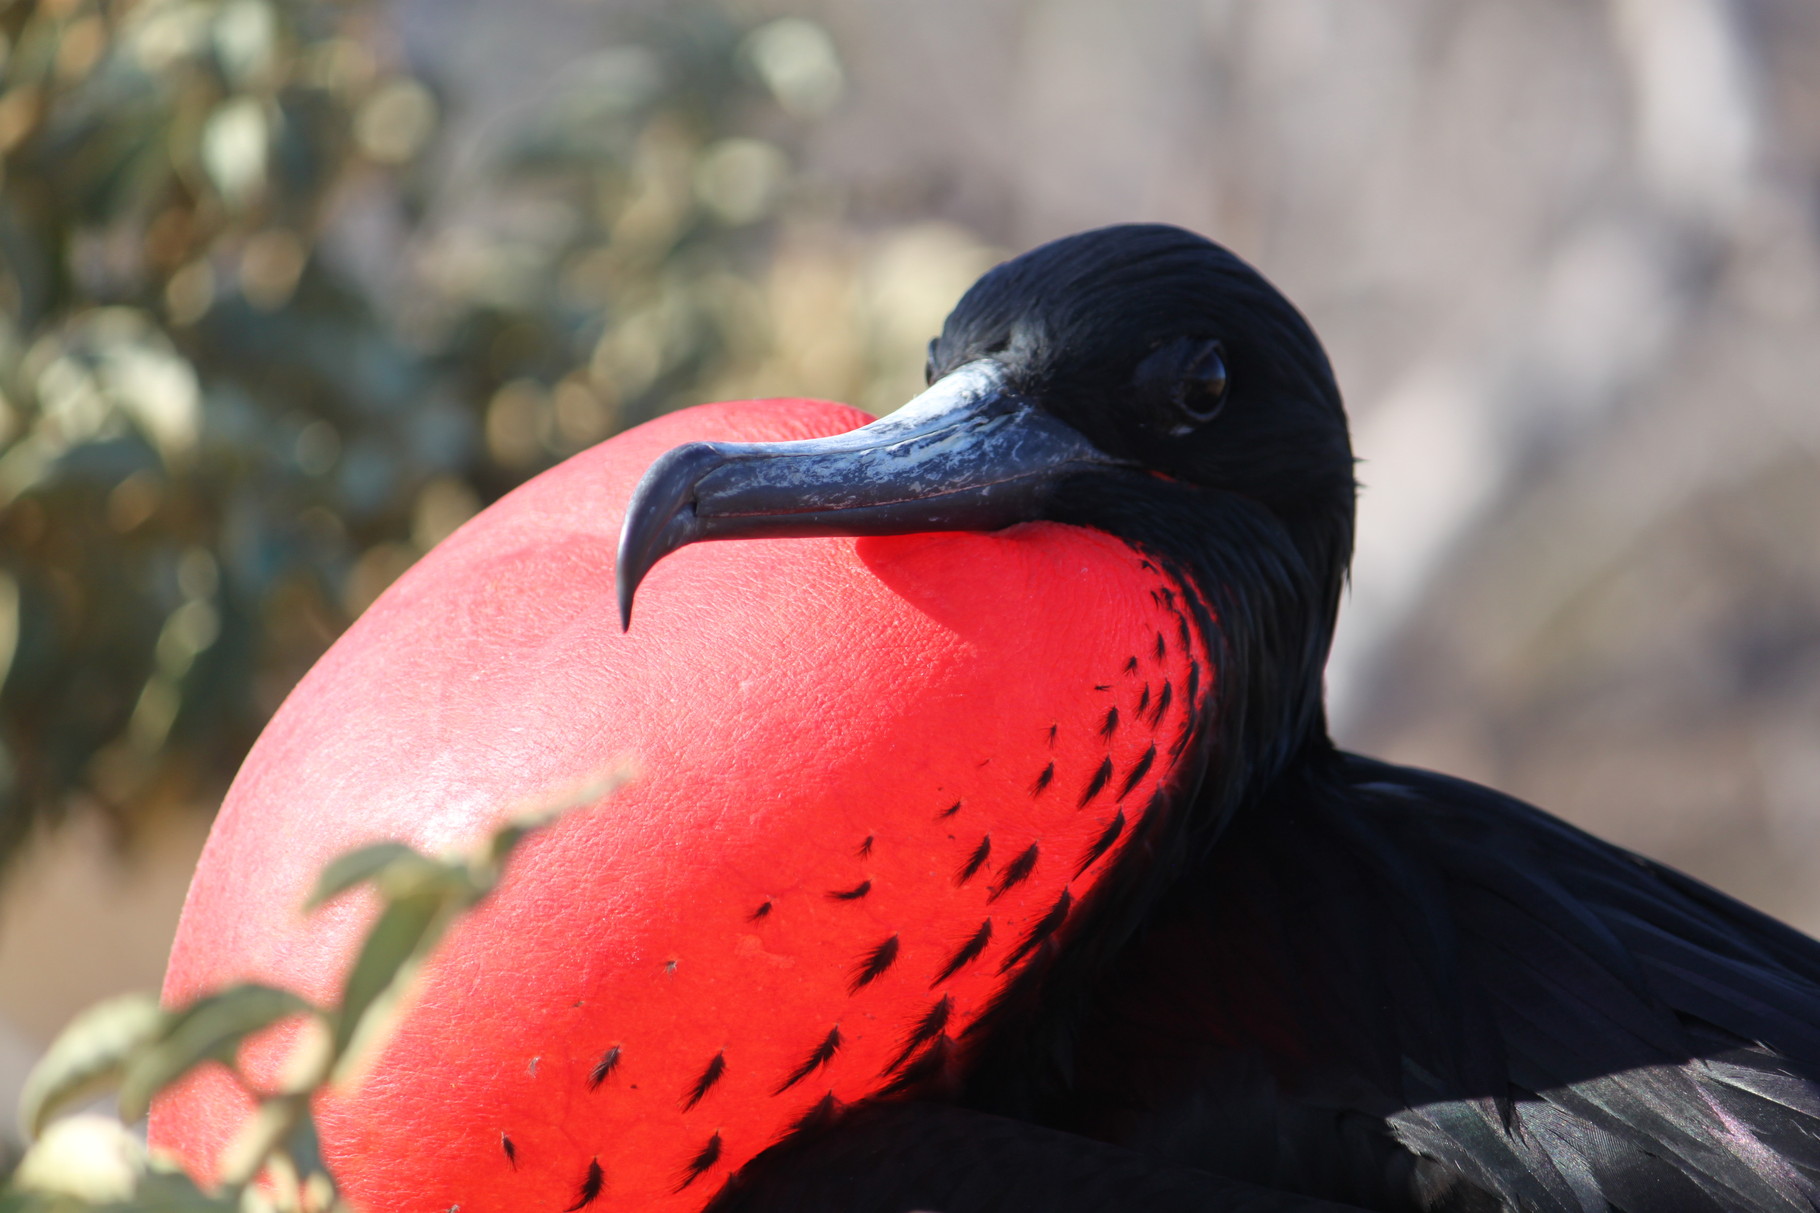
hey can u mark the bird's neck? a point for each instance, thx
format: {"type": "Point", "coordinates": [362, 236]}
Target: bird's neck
{"type": "Point", "coordinates": [1265, 590]}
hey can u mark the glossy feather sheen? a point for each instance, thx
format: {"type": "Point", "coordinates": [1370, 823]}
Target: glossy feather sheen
{"type": "Point", "coordinates": [787, 903]}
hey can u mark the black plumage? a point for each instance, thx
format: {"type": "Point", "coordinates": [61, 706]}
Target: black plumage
{"type": "Point", "coordinates": [1404, 991]}
{"type": "Point", "coordinates": [1311, 976]}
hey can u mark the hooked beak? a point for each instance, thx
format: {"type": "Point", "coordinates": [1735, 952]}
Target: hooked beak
{"type": "Point", "coordinates": [966, 455]}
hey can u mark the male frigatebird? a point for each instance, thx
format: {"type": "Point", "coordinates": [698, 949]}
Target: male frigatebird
{"type": "Point", "coordinates": [998, 860]}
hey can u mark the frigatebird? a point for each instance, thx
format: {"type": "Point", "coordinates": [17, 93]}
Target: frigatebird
{"type": "Point", "coordinates": [998, 859]}
{"type": "Point", "coordinates": [1325, 975]}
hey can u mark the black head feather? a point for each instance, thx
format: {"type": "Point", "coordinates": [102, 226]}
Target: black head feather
{"type": "Point", "coordinates": [1106, 329]}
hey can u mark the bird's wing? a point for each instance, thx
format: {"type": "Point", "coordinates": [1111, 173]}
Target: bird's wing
{"type": "Point", "coordinates": [1659, 1042]}
{"type": "Point", "coordinates": [1409, 992]}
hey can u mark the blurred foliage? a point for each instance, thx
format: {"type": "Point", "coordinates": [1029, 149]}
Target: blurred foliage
{"type": "Point", "coordinates": [251, 367]}
{"type": "Point", "coordinates": [90, 1163]}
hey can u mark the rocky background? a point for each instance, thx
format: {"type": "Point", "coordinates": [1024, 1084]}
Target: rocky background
{"type": "Point", "coordinates": [289, 290]}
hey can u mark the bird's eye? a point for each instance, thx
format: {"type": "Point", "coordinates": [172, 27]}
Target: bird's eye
{"type": "Point", "coordinates": [1185, 380]}
{"type": "Point", "coordinates": [1203, 389]}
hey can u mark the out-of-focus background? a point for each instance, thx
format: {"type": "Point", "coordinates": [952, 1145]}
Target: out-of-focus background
{"type": "Point", "coordinates": [291, 288]}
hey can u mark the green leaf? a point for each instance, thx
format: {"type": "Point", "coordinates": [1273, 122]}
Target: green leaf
{"type": "Point", "coordinates": [305, 1149]}
{"type": "Point", "coordinates": [171, 1191]}
{"type": "Point", "coordinates": [246, 1155]}
{"type": "Point", "coordinates": [396, 871]}
{"type": "Point", "coordinates": [498, 847]}
{"type": "Point", "coordinates": [491, 854]}
{"type": "Point", "coordinates": [416, 875]}
{"type": "Point", "coordinates": [355, 867]}
{"type": "Point", "coordinates": [406, 930]}
{"type": "Point", "coordinates": [209, 1029]}
{"type": "Point", "coordinates": [89, 1056]}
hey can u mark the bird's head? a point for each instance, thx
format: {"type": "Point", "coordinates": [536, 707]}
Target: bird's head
{"type": "Point", "coordinates": [1137, 379]}
{"type": "Point", "coordinates": [1168, 354]}
{"type": "Point", "coordinates": [1125, 355]}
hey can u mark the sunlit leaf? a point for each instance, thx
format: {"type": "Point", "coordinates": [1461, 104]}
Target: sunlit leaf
{"type": "Point", "coordinates": [235, 141]}
{"type": "Point", "coordinates": [796, 58]}
{"type": "Point", "coordinates": [245, 35]}
{"type": "Point", "coordinates": [739, 179]}
{"type": "Point", "coordinates": [88, 1056]}
{"type": "Point", "coordinates": [356, 867]}
{"type": "Point", "coordinates": [405, 931]}
{"type": "Point", "coordinates": [259, 1135]}
{"type": "Point", "coordinates": [396, 121]}
{"type": "Point", "coordinates": [93, 1158]}
{"type": "Point", "coordinates": [492, 852]}
{"type": "Point", "coordinates": [210, 1029]}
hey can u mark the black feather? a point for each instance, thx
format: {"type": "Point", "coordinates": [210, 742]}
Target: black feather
{"type": "Point", "coordinates": [591, 1184]}
{"type": "Point", "coordinates": [715, 1070]}
{"type": "Point", "coordinates": [1046, 926]}
{"type": "Point", "coordinates": [1162, 705]}
{"type": "Point", "coordinates": [603, 1069]}
{"type": "Point", "coordinates": [966, 954]}
{"type": "Point", "coordinates": [1015, 873]}
{"type": "Point", "coordinates": [818, 1059]}
{"type": "Point", "coordinates": [1102, 844]}
{"type": "Point", "coordinates": [1102, 775]}
{"type": "Point", "coordinates": [975, 861]}
{"type": "Point", "coordinates": [874, 964]}
{"type": "Point", "coordinates": [1139, 769]}
{"type": "Point", "coordinates": [704, 1160]}
{"type": "Point", "coordinates": [931, 1025]}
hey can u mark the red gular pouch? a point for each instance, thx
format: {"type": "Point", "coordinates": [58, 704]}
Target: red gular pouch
{"type": "Point", "coordinates": [874, 780]}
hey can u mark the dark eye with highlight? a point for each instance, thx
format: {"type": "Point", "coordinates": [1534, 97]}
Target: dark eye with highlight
{"type": "Point", "coordinates": [1184, 381]}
